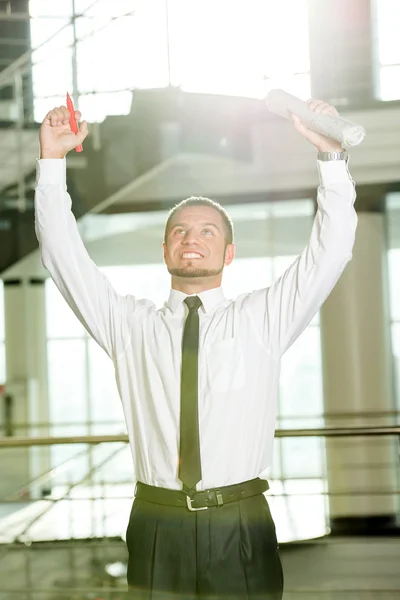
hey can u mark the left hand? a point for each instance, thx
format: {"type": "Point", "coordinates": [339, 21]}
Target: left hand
{"type": "Point", "coordinates": [321, 142]}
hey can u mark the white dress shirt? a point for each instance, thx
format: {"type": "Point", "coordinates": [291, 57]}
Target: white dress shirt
{"type": "Point", "coordinates": [241, 341]}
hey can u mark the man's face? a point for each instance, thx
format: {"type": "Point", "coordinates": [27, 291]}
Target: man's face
{"type": "Point", "coordinates": [195, 245]}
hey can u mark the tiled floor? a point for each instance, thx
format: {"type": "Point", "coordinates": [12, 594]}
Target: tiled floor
{"type": "Point", "coordinates": [329, 569]}
{"type": "Point", "coordinates": [354, 568]}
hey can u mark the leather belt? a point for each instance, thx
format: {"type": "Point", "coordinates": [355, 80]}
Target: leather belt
{"type": "Point", "coordinates": [203, 499]}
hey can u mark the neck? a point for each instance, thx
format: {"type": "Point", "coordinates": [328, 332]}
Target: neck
{"type": "Point", "coordinates": [195, 285]}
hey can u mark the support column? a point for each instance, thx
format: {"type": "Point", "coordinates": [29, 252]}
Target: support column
{"type": "Point", "coordinates": [26, 383]}
{"type": "Point", "coordinates": [358, 388]}
{"type": "Point", "coordinates": [341, 51]}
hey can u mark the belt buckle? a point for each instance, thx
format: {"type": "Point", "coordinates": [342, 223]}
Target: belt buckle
{"type": "Point", "coordinates": [192, 508]}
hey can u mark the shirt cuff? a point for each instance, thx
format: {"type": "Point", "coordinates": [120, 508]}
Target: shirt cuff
{"type": "Point", "coordinates": [333, 171]}
{"type": "Point", "coordinates": [51, 170]}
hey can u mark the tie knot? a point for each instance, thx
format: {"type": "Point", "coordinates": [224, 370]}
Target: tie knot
{"type": "Point", "coordinates": [193, 302]}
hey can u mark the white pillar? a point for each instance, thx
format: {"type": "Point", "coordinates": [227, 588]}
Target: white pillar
{"type": "Point", "coordinates": [357, 379]}
{"type": "Point", "coordinates": [26, 382]}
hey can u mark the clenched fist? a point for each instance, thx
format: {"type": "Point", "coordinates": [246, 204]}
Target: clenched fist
{"type": "Point", "coordinates": [56, 137]}
{"type": "Point", "coordinates": [321, 143]}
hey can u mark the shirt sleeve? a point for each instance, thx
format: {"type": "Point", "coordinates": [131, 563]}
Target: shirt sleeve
{"type": "Point", "coordinates": [281, 312]}
{"type": "Point", "coordinates": [87, 291]}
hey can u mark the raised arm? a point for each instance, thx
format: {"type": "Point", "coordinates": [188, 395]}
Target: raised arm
{"type": "Point", "coordinates": [87, 291]}
{"type": "Point", "coordinates": [280, 313]}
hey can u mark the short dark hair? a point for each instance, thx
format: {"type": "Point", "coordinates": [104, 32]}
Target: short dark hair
{"type": "Point", "coordinates": [201, 201]}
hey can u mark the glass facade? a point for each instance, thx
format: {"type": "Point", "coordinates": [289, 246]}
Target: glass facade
{"type": "Point", "coordinates": [241, 48]}
{"type": "Point", "coordinates": [387, 25]}
{"type": "Point", "coordinates": [393, 229]}
{"type": "Point", "coordinates": [193, 45]}
{"type": "Point", "coordinates": [2, 337]}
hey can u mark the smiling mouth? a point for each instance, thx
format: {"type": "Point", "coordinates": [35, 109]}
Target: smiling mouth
{"type": "Point", "coordinates": [192, 255]}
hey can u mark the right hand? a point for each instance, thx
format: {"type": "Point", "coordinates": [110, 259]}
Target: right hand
{"type": "Point", "coordinates": [321, 142]}
{"type": "Point", "coordinates": [56, 137]}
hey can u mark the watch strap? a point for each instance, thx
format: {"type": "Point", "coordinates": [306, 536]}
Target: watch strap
{"type": "Point", "coordinates": [325, 156]}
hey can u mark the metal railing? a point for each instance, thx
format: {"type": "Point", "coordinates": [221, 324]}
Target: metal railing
{"type": "Point", "coordinates": [385, 430]}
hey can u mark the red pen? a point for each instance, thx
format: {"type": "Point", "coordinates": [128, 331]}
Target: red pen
{"type": "Point", "coordinates": [72, 120]}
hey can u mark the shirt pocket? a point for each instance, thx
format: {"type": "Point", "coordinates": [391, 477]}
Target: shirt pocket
{"type": "Point", "coordinates": [225, 365]}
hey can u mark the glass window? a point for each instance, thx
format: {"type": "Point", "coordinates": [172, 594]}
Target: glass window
{"type": "Point", "coordinates": [2, 337]}
{"type": "Point", "coordinates": [301, 381]}
{"type": "Point", "coordinates": [106, 8]}
{"type": "Point", "coordinates": [2, 363]}
{"type": "Point", "coordinates": [302, 458]}
{"type": "Point", "coordinates": [105, 404]}
{"type": "Point", "coordinates": [396, 359]}
{"type": "Point", "coordinates": [52, 61]}
{"type": "Point", "coordinates": [67, 381]}
{"type": "Point", "coordinates": [393, 230]}
{"type": "Point", "coordinates": [2, 324]}
{"type": "Point", "coordinates": [394, 289]}
{"type": "Point", "coordinates": [241, 48]}
{"type": "Point", "coordinates": [136, 43]}
{"type": "Point", "coordinates": [247, 274]}
{"type": "Point", "coordinates": [49, 8]}
{"type": "Point", "coordinates": [114, 460]}
{"type": "Point", "coordinates": [68, 405]}
{"type": "Point", "coordinates": [394, 279]}
{"type": "Point", "coordinates": [387, 16]}
{"type": "Point", "coordinates": [96, 107]}
{"type": "Point", "coordinates": [143, 281]}
{"type": "Point", "coordinates": [388, 22]}
{"type": "Point", "coordinates": [60, 320]}
{"type": "Point", "coordinates": [390, 83]}
{"type": "Point", "coordinates": [73, 459]}
{"type": "Point", "coordinates": [131, 35]}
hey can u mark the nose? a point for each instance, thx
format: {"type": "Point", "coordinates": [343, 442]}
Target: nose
{"type": "Point", "coordinates": [190, 239]}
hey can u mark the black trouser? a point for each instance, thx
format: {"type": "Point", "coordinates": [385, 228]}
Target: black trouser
{"type": "Point", "coordinates": [225, 552]}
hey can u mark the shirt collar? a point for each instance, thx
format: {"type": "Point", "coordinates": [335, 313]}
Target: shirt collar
{"type": "Point", "coordinates": [209, 298]}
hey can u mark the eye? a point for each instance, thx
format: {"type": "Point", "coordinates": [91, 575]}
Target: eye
{"type": "Point", "coordinates": [179, 230]}
{"type": "Point", "coordinates": [207, 231]}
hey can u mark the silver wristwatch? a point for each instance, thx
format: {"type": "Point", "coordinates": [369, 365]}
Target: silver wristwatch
{"type": "Point", "coordinates": [324, 156]}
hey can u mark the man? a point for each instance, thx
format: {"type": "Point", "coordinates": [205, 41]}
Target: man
{"type": "Point", "coordinates": [198, 378]}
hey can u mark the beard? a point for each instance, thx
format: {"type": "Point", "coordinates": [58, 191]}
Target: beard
{"type": "Point", "coordinates": [192, 271]}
